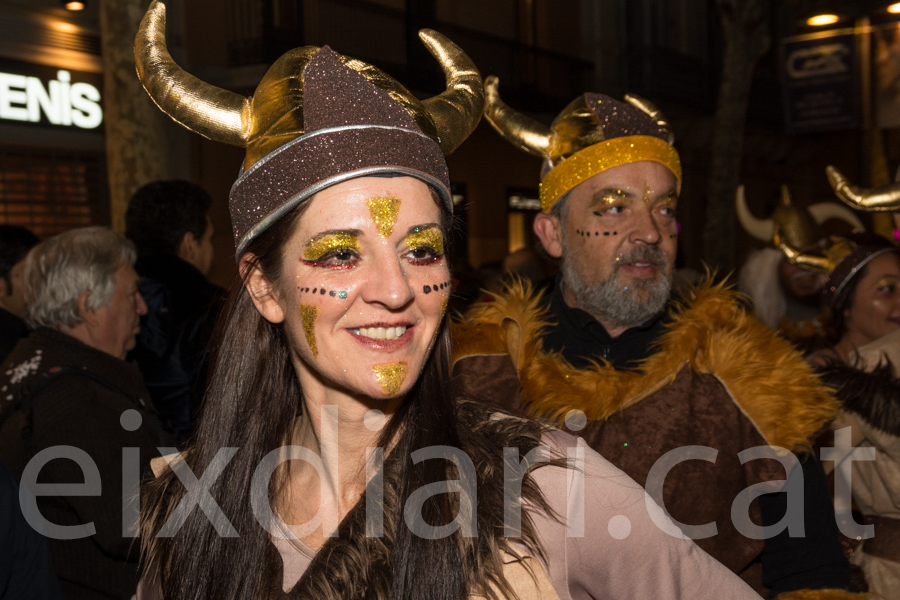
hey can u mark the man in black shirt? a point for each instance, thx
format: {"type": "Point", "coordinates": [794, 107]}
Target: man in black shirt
{"type": "Point", "coordinates": [15, 242]}
{"type": "Point", "coordinates": [641, 375]}
{"type": "Point", "coordinates": [168, 222]}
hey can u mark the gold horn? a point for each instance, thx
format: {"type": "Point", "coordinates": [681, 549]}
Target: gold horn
{"type": "Point", "coordinates": [820, 264]}
{"type": "Point", "coordinates": [212, 112]}
{"type": "Point", "coordinates": [521, 131]}
{"type": "Point", "coordinates": [760, 229]}
{"type": "Point", "coordinates": [785, 195]}
{"type": "Point", "coordinates": [653, 112]}
{"type": "Point", "coordinates": [884, 198]}
{"type": "Point", "coordinates": [457, 110]}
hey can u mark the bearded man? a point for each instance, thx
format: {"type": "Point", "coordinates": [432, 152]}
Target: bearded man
{"type": "Point", "coordinates": [643, 376]}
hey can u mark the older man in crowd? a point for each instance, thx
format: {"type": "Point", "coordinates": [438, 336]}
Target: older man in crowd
{"type": "Point", "coordinates": [67, 389]}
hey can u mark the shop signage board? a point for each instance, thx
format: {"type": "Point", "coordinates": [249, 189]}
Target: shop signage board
{"type": "Point", "coordinates": [819, 76]}
{"type": "Point", "coordinates": [49, 96]}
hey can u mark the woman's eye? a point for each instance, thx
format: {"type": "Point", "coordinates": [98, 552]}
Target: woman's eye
{"type": "Point", "coordinates": [341, 258]}
{"type": "Point", "coordinates": [423, 255]}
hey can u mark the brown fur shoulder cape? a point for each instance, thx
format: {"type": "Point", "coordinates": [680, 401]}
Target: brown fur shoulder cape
{"type": "Point", "coordinates": [711, 332]}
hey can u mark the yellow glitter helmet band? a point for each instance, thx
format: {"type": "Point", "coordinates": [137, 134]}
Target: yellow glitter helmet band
{"type": "Point", "coordinates": [604, 156]}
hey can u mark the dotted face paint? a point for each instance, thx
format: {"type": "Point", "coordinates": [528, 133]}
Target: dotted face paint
{"type": "Point", "coordinates": [430, 238]}
{"type": "Point", "coordinates": [317, 248]}
{"type": "Point", "coordinates": [438, 286]}
{"type": "Point", "coordinates": [309, 313]}
{"type": "Point", "coordinates": [342, 294]}
{"type": "Point", "coordinates": [384, 213]}
{"type": "Point", "coordinates": [391, 376]}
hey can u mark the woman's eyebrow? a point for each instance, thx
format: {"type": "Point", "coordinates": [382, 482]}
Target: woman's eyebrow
{"type": "Point", "coordinates": [418, 228]}
{"type": "Point", "coordinates": [319, 236]}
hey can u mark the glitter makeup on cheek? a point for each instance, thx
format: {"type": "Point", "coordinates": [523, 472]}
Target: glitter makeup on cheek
{"type": "Point", "coordinates": [316, 248]}
{"type": "Point", "coordinates": [444, 302]}
{"type": "Point", "coordinates": [391, 376]}
{"type": "Point", "coordinates": [431, 238]}
{"type": "Point", "coordinates": [384, 213]}
{"type": "Point", "coordinates": [309, 313]}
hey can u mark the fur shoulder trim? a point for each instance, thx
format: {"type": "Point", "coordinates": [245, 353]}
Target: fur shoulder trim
{"type": "Point", "coordinates": [765, 376]}
{"type": "Point", "coordinates": [871, 395]}
{"type": "Point", "coordinates": [829, 594]}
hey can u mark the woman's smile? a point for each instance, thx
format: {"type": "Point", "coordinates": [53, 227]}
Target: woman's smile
{"type": "Point", "coordinates": [384, 336]}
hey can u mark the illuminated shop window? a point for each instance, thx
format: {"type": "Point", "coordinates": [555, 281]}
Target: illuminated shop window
{"type": "Point", "coordinates": [52, 191]}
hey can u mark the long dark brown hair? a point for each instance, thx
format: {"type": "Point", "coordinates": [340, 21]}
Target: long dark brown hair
{"type": "Point", "coordinates": [251, 403]}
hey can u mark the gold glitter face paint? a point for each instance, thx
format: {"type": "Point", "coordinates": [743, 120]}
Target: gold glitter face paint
{"type": "Point", "coordinates": [318, 247]}
{"type": "Point", "coordinates": [384, 213]}
{"type": "Point", "coordinates": [309, 313]}
{"type": "Point", "coordinates": [430, 237]}
{"type": "Point", "coordinates": [444, 302]}
{"type": "Point", "coordinates": [391, 376]}
{"type": "Point", "coordinates": [609, 198]}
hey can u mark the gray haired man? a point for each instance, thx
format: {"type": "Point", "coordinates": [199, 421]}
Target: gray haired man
{"type": "Point", "coordinates": [72, 411]}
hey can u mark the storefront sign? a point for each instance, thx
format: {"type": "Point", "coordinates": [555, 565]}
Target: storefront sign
{"type": "Point", "coordinates": [63, 101]}
{"type": "Point", "coordinates": [819, 75]}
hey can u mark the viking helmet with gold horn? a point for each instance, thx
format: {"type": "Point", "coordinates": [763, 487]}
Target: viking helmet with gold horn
{"type": "Point", "coordinates": [798, 227]}
{"type": "Point", "coordinates": [592, 134]}
{"type": "Point", "coordinates": [884, 198]}
{"type": "Point", "coordinates": [839, 258]}
{"type": "Point", "coordinates": [317, 118]}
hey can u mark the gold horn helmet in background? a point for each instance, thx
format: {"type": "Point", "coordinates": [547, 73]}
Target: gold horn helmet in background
{"type": "Point", "coordinates": [592, 134]}
{"type": "Point", "coordinates": [337, 116]}
{"type": "Point", "coordinates": [884, 198]}
{"type": "Point", "coordinates": [799, 227]}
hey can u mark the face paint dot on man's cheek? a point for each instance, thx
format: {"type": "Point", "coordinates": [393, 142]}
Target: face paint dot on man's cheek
{"type": "Point", "coordinates": [391, 376]}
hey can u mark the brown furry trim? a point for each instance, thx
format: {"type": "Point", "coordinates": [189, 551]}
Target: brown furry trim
{"type": "Point", "coordinates": [825, 595]}
{"type": "Point", "coordinates": [711, 332]}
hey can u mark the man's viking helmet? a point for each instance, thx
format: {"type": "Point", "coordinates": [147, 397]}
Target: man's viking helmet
{"type": "Point", "coordinates": [797, 226]}
{"type": "Point", "coordinates": [884, 198]}
{"type": "Point", "coordinates": [592, 134]}
{"type": "Point", "coordinates": [317, 118]}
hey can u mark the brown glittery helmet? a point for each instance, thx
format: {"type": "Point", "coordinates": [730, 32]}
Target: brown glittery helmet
{"type": "Point", "coordinates": [316, 119]}
{"type": "Point", "coordinates": [592, 134]}
{"type": "Point", "coordinates": [798, 227]}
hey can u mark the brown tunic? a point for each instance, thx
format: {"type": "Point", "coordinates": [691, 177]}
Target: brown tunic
{"type": "Point", "coordinates": [719, 379]}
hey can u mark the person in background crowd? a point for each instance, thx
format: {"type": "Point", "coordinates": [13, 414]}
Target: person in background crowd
{"type": "Point", "coordinates": [650, 373]}
{"type": "Point", "coordinates": [862, 295]}
{"type": "Point", "coordinates": [26, 572]}
{"type": "Point", "coordinates": [15, 242]}
{"type": "Point", "coordinates": [168, 221]}
{"type": "Point", "coordinates": [785, 297]}
{"type": "Point", "coordinates": [67, 385]}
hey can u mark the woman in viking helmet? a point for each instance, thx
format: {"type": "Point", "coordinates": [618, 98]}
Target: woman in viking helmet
{"type": "Point", "coordinates": [864, 369]}
{"type": "Point", "coordinates": [331, 459]}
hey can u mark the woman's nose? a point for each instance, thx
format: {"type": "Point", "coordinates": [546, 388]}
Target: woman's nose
{"type": "Point", "coordinates": [389, 285]}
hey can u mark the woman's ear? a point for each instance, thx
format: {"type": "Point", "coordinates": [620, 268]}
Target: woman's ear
{"type": "Point", "coordinates": [262, 292]}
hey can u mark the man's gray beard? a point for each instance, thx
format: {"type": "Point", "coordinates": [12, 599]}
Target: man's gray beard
{"type": "Point", "coordinates": [611, 300]}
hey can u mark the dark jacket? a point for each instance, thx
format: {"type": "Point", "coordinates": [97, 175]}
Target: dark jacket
{"type": "Point", "coordinates": [26, 572]}
{"type": "Point", "coordinates": [171, 350]}
{"type": "Point", "coordinates": [77, 396]}
{"type": "Point", "coordinates": [12, 329]}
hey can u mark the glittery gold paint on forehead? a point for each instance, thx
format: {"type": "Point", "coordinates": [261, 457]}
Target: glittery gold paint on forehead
{"type": "Point", "coordinates": [384, 213]}
{"type": "Point", "coordinates": [316, 248]}
{"type": "Point", "coordinates": [391, 376]}
{"type": "Point", "coordinates": [309, 313]}
{"type": "Point", "coordinates": [430, 237]}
